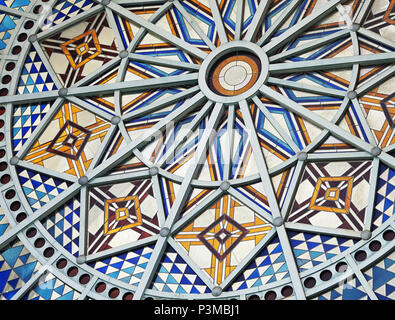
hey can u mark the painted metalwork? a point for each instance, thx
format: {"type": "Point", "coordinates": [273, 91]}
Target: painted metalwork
{"type": "Point", "coordinates": [197, 149]}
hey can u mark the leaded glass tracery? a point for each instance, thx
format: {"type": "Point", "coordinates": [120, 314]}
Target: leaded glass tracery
{"type": "Point", "coordinates": [219, 149]}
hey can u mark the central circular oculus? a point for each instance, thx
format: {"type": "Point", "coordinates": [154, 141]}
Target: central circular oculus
{"type": "Point", "coordinates": [234, 71]}
{"type": "Point", "coordinates": [235, 75]}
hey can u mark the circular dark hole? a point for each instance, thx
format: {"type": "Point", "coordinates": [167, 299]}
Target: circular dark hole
{"type": "Point", "coordinates": [325, 275]}
{"type": "Point", "coordinates": [31, 232]}
{"type": "Point", "coordinates": [389, 235]}
{"type": "Point", "coordinates": [270, 295]}
{"type": "Point", "coordinates": [375, 246]}
{"type": "Point", "coordinates": [39, 243]}
{"type": "Point", "coordinates": [360, 255]}
{"type": "Point", "coordinates": [49, 252]}
{"type": "Point", "coordinates": [28, 24]}
{"type": "Point", "coordinates": [113, 293]}
{"type": "Point", "coordinates": [341, 267]}
{"type": "Point", "coordinates": [16, 50]}
{"type": "Point", "coordinates": [310, 282]}
{"type": "Point", "coordinates": [20, 217]}
{"type": "Point", "coordinates": [22, 37]}
{"type": "Point", "coordinates": [254, 297]}
{"type": "Point", "coordinates": [2, 151]}
{"type": "Point", "coordinates": [100, 287]}
{"type": "Point", "coordinates": [5, 179]}
{"type": "Point", "coordinates": [10, 194]}
{"type": "Point", "coordinates": [287, 291]}
{"type": "Point", "coordinates": [6, 79]}
{"type": "Point", "coordinates": [72, 272]}
{"type": "Point", "coordinates": [85, 278]}
{"type": "Point", "coordinates": [37, 9]}
{"type": "Point", "coordinates": [3, 92]}
{"type": "Point", "coordinates": [149, 298]}
{"type": "Point", "coordinates": [3, 165]}
{"type": "Point", "coordinates": [10, 66]}
{"type": "Point", "coordinates": [127, 296]}
{"type": "Point", "coordinates": [2, 125]}
{"type": "Point", "coordinates": [2, 110]}
{"type": "Point", "coordinates": [15, 206]}
{"type": "Point", "coordinates": [1, 136]}
{"type": "Point", "coordinates": [61, 263]}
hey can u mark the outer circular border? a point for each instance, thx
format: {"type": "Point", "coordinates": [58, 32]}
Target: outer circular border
{"type": "Point", "coordinates": [97, 277]}
{"type": "Point", "coordinates": [224, 49]}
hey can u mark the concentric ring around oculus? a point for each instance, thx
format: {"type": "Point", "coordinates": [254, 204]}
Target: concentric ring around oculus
{"type": "Point", "coordinates": [233, 72]}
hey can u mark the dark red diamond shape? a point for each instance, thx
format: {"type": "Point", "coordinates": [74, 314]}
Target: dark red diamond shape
{"type": "Point", "coordinates": [69, 126]}
{"type": "Point", "coordinates": [70, 141]}
{"type": "Point", "coordinates": [222, 236]}
{"type": "Point", "coordinates": [218, 236]}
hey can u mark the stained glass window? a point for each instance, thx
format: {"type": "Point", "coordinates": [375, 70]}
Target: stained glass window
{"type": "Point", "coordinates": [197, 149]}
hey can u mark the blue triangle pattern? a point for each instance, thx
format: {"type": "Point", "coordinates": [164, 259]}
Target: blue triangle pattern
{"type": "Point", "coordinates": [34, 76]}
{"type": "Point", "coordinates": [3, 224]}
{"type": "Point", "coordinates": [16, 4]}
{"type": "Point", "coordinates": [17, 266]}
{"type": "Point", "coordinates": [312, 249]}
{"type": "Point", "coordinates": [174, 275]}
{"type": "Point", "coordinates": [127, 267]}
{"type": "Point", "coordinates": [352, 290]}
{"type": "Point", "coordinates": [64, 225]}
{"type": "Point", "coordinates": [51, 288]}
{"type": "Point", "coordinates": [267, 267]}
{"type": "Point", "coordinates": [381, 277]}
{"type": "Point", "coordinates": [385, 197]}
{"type": "Point", "coordinates": [40, 188]}
{"type": "Point", "coordinates": [66, 9]}
{"type": "Point", "coordinates": [7, 23]}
